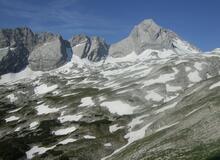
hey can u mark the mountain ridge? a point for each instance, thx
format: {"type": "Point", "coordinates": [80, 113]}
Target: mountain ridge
{"type": "Point", "coordinates": [147, 35]}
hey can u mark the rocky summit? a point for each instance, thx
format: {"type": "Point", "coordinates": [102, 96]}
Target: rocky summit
{"type": "Point", "coordinates": [151, 96]}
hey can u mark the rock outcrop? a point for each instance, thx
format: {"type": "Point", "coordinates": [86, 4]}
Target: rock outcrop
{"type": "Point", "coordinates": [18, 36]}
{"type": "Point", "coordinates": [94, 48]}
{"type": "Point", "coordinates": [148, 35]}
{"type": "Point", "coordinates": [15, 45]}
{"type": "Point", "coordinates": [48, 55]}
{"type": "Point", "coordinates": [20, 47]}
{"type": "Point", "coordinates": [13, 59]}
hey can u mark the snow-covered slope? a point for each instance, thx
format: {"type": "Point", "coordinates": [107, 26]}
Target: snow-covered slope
{"type": "Point", "coordinates": [113, 107]}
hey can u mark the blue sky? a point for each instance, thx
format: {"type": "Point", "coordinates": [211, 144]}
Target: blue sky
{"type": "Point", "coordinates": [197, 21]}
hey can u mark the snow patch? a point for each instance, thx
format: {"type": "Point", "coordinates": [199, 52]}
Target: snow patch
{"type": "Point", "coordinates": [27, 73]}
{"type": "Point", "coordinates": [152, 95]}
{"type": "Point", "coordinates": [132, 136]}
{"type": "Point", "coordinates": [194, 76]}
{"type": "Point", "coordinates": [180, 61]}
{"type": "Point", "coordinates": [66, 141]}
{"type": "Point", "coordinates": [118, 107]}
{"type": "Point", "coordinates": [107, 144]}
{"type": "Point", "coordinates": [114, 128]}
{"type": "Point", "coordinates": [37, 150]}
{"type": "Point", "coordinates": [87, 101]}
{"type": "Point", "coordinates": [136, 135]}
{"type": "Point", "coordinates": [170, 88]}
{"type": "Point", "coordinates": [44, 109]}
{"type": "Point", "coordinates": [214, 85]}
{"type": "Point", "coordinates": [70, 118]}
{"type": "Point", "coordinates": [43, 89]}
{"type": "Point", "coordinates": [183, 47]}
{"type": "Point", "coordinates": [34, 125]}
{"type": "Point", "coordinates": [198, 66]}
{"type": "Point", "coordinates": [137, 121]}
{"type": "Point", "coordinates": [89, 137]}
{"type": "Point", "coordinates": [12, 118]}
{"type": "Point", "coordinates": [187, 69]}
{"type": "Point", "coordinates": [15, 110]}
{"type": "Point", "coordinates": [17, 129]}
{"type": "Point", "coordinates": [145, 55]}
{"type": "Point", "coordinates": [64, 131]}
{"type": "Point", "coordinates": [12, 98]}
{"type": "Point", "coordinates": [161, 79]}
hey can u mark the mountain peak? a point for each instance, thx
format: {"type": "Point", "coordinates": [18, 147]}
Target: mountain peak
{"type": "Point", "coordinates": [148, 22]}
{"type": "Point", "coordinates": [147, 25]}
{"type": "Point", "coordinates": [147, 35]}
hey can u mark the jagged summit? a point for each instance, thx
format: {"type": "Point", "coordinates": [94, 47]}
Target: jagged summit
{"type": "Point", "coordinates": [93, 48]}
{"type": "Point", "coordinates": [40, 51]}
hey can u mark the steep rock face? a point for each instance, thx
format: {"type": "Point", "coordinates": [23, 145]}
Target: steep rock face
{"type": "Point", "coordinates": [16, 37]}
{"type": "Point", "coordinates": [94, 48]}
{"type": "Point", "coordinates": [13, 59]}
{"type": "Point", "coordinates": [48, 55]}
{"type": "Point", "coordinates": [148, 35]}
{"type": "Point", "coordinates": [15, 45]}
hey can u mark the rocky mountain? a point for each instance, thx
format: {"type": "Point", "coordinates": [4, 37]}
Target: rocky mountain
{"type": "Point", "coordinates": [46, 51]}
{"type": "Point", "coordinates": [148, 35]}
{"type": "Point", "coordinates": [148, 97]}
{"type": "Point", "coordinates": [15, 45]}
{"type": "Point", "coordinates": [94, 48]}
{"type": "Point", "coordinates": [21, 47]}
